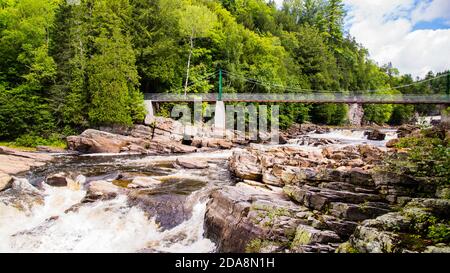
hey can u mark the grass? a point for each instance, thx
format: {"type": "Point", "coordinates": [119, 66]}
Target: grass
{"type": "Point", "coordinates": [32, 148]}
{"type": "Point", "coordinates": [13, 145]}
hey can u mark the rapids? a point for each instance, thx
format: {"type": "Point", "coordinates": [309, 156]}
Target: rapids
{"type": "Point", "coordinates": [62, 224]}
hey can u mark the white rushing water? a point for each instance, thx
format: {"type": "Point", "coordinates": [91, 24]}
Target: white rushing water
{"type": "Point", "coordinates": [103, 226]}
{"type": "Point", "coordinates": [355, 137]}
{"type": "Point", "coordinates": [113, 225]}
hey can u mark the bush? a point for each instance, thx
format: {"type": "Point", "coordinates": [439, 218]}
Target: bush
{"type": "Point", "coordinates": [439, 233]}
{"type": "Point", "coordinates": [31, 140]}
{"type": "Point", "coordinates": [401, 114]}
{"type": "Point", "coordinates": [427, 156]}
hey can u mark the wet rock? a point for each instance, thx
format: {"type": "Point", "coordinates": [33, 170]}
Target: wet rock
{"type": "Point", "coordinates": [311, 141]}
{"type": "Point", "coordinates": [255, 183]}
{"type": "Point", "coordinates": [109, 177]}
{"type": "Point", "coordinates": [100, 190]}
{"type": "Point", "coordinates": [57, 180]}
{"type": "Point", "coordinates": [191, 163]}
{"type": "Point", "coordinates": [375, 135]}
{"type": "Point", "coordinates": [143, 182]}
{"type": "Point", "coordinates": [297, 130]}
{"type": "Point", "coordinates": [169, 210]}
{"type": "Point", "coordinates": [22, 195]}
{"type": "Point", "coordinates": [245, 165]}
{"type": "Point", "coordinates": [5, 181]}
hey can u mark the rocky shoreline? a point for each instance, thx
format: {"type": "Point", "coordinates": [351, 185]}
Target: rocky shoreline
{"type": "Point", "coordinates": [292, 199]}
{"type": "Point", "coordinates": [322, 197]}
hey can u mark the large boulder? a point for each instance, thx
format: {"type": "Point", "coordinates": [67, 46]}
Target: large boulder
{"type": "Point", "coordinates": [95, 141]}
{"type": "Point", "coordinates": [22, 195]}
{"type": "Point", "coordinates": [245, 165]}
{"type": "Point", "coordinates": [169, 210]}
{"type": "Point", "coordinates": [100, 190]}
{"type": "Point", "coordinates": [57, 180]}
{"type": "Point", "coordinates": [237, 216]}
{"type": "Point", "coordinates": [5, 181]}
{"type": "Point", "coordinates": [375, 135]}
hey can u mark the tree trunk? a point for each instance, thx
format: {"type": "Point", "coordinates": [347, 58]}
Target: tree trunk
{"type": "Point", "coordinates": [189, 63]}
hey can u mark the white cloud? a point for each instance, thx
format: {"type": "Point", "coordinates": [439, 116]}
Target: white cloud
{"type": "Point", "coordinates": [386, 28]}
{"type": "Point", "coordinates": [426, 11]}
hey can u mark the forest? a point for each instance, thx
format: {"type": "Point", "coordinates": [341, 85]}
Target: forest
{"type": "Point", "coordinates": [70, 65]}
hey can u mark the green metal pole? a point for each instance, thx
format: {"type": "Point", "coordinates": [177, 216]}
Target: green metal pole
{"type": "Point", "coordinates": [220, 84]}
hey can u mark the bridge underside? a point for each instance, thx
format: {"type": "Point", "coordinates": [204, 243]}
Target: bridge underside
{"type": "Point", "coordinates": [303, 98]}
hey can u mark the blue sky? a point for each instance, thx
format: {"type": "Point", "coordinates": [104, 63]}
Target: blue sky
{"type": "Point", "coordinates": [412, 34]}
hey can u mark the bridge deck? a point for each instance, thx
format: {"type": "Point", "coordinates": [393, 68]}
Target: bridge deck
{"type": "Point", "coordinates": [303, 98]}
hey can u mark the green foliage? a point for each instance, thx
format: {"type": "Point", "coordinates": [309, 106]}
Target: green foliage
{"type": "Point", "coordinates": [31, 140]}
{"type": "Point", "coordinates": [22, 111]}
{"type": "Point", "coordinates": [401, 114]}
{"type": "Point", "coordinates": [378, 113]}
{"type": "Point", "coordinates": [65, 66]}
{"type": "Point", "coordinates": [439, 233]}
{"type": "Point", "coordinates": [333, 114]}
{"type": "Point", "coordinates": [427, 157]}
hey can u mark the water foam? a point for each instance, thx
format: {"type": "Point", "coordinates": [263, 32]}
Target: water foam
{"type": "Point", "coordinates": [103, 226]}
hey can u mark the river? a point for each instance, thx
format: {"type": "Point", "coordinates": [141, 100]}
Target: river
{"type": "Point", "coordinates": [61, 224]}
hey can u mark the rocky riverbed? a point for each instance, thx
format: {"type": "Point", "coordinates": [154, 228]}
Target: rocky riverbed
{"type": "Point", "coordinates": [150, 189]}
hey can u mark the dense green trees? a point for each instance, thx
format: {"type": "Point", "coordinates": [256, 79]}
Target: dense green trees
{"type": "Point", "coordinates": [67, 65]}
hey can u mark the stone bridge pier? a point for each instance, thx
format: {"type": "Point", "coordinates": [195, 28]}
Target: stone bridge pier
{"type": "Point", "coordinates": [355, 114]}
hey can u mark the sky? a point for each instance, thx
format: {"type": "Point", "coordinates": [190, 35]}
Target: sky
{"type": "Point", "coordinates": [412, 34]}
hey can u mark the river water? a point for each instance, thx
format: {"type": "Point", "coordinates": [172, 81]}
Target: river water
{"type": "Point", "coordinates": [61, 224]}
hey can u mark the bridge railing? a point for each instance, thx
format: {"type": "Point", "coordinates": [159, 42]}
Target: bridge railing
{"type": "Point", "coordinates": [304, 98]}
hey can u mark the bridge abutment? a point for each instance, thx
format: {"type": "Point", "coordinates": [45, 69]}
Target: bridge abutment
{"type": "Point", "coordinates": [150, 117]}
{"type": "Point", "coordinates": [355, 114]}
{"type": "Point", "coordinates": [219, 116]}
